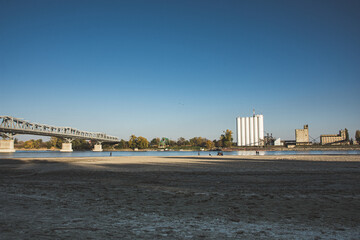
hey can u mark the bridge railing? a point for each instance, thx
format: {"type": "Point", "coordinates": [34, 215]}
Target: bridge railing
{"type": "Point", "coordinates": [19, 126]}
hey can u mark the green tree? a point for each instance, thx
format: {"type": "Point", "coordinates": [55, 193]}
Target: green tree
{"type": "Point", "coordinates": [142, 143]}
{"type": "Point", "coordinates": [59, 142]}
{"type": "Point", "coordinates": [165, 141]}
{"type": "Point", "coordinates": [55, 142]}
{"type": "Point", "coordinates": [122, 144]}
{"type": "Point", "coordinates": [226, 138]}
{"type": "Point", "coordinates": [81, 144]}
{"type": "Point", "coordinates": [48, 144]}
{"type": "Point", "coordinates": [346, 134]}
{"type": "Point", "coordinates": [155, 142]}
{"type": "Point", "coordinates": [172, 143]}
{"type": "Point", "coordinates": [132, 142]}
{"type": "Point", "coordinates": [357, 136]}
{"type": "Point", "coordinates": [198, 142]}
{"type": "Point", "coordinates": [108, 146]}
{"type": "Point", "coordinates": [195, 141]}
{"type": "Point", "coordinates": [181, 141]}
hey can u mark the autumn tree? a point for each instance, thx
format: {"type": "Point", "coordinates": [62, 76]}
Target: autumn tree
{"type": "Point", "coordinates": [38, 143]}
{"type": "Point", "coordinates": [132, 142]}
{"type": "Point", "coordinates": [138, 142]}
{"type": "Point", "coordinates": [226, 138]}
{"type": "Point", "coordinates": [209, 144]}
{"type": "Point", "coordinates": [29, 144]}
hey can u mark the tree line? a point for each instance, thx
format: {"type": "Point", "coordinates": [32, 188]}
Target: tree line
{"type": "Point", "coordinates": [225, 140]}
{"type": "Point", "coordinates": [53, 143]}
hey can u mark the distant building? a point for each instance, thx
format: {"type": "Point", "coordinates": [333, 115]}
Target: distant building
{"type": "Point", "coordinates": [334, 139]}
{"type": "Point", "coordinates": [278, 142]}
{"type": "Point", "coordinates": [289, 143]}
{"type": "Point", "coordinates": [302, 136]}
{"type": "Point", "coordinates": [250, 130]}
{"type": "Point", "coordinates": [269, 140]}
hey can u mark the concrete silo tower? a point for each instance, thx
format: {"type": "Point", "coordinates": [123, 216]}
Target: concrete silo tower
{"type": "Point", "coordinates": [250, 130]}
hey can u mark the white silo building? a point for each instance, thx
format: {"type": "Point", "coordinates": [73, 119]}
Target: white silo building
{"type": "Point", "coordinates": [250, 130]}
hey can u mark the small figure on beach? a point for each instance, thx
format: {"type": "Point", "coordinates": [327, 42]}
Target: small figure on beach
{"type": "Point", "coordinates": [198, 153]}
{"type": "Point", "coordinates": [110, 154]}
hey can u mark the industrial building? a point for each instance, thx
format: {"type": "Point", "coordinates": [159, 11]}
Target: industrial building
{"type": "Point", "coordinates": [302, 136]}
{"type": "Point", "coordinates": [250, 130]}
{"type": "Point", "coordinates": [278, 142]}
{"type": "Point", "coordinates": [334, 139]}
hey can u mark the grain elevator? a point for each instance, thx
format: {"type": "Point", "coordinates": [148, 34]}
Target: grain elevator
{"type": "Point", "coordinates": [250, 130]}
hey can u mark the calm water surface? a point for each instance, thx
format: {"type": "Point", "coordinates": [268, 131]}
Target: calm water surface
{"type": "Point", "coordinates": [50, 154]}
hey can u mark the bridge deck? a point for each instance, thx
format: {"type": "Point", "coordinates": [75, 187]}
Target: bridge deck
{"type": "Point", "coordinates": [18, 126]}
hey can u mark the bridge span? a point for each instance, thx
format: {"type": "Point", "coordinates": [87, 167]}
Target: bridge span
{"type": "Point", "coordinates": [10, 126]}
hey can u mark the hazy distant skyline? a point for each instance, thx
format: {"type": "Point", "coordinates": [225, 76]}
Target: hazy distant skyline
{"type": "Point", "coordinates": [181, 68]}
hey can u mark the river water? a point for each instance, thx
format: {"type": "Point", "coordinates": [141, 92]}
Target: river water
{"type": "Point", "coordinates": [53, 154]}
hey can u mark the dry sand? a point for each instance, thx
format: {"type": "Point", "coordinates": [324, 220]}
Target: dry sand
{"type": "Point", "coordinates": [229, 197]}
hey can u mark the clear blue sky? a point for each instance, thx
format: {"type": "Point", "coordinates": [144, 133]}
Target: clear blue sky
{"type": "Point", "coordinates": [181, 68]}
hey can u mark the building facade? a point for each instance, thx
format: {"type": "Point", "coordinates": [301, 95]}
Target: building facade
{"type": "Point", "coordinates": [250, 130]}
{"type": "Point", "coordinates": [302, 136]}
{"type": "Point", "coordinates": [334, 139]}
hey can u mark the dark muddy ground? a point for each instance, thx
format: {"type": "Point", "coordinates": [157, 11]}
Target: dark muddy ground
{"type": "Point", "coordinates": [181, 198]}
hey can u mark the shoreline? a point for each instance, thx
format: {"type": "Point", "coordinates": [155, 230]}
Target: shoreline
{"type": "Point", "coordinates": [178, 163]}
{"type": "Point", "coordinates": [283, 149]}
{"type": "Point", "coordinates": [195, 158]}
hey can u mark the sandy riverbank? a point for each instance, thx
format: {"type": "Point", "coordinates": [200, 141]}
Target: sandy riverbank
{"type": "Point", "coordinates": [245, 197]}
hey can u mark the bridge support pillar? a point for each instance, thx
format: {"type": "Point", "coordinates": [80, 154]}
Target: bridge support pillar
{"type": "Point", "coordinates": [7, 146]}
{"type": "Point", "coordinates": [67, 146]}
{"type": "Point", "coordinates": [97, 148]}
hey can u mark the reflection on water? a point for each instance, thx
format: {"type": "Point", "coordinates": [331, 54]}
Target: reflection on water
{"type": "Point", "coordinates": [50, 154]}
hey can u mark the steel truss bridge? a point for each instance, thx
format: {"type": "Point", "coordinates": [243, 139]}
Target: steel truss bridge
{"type": "Point", "coordinates": [10, 126]}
